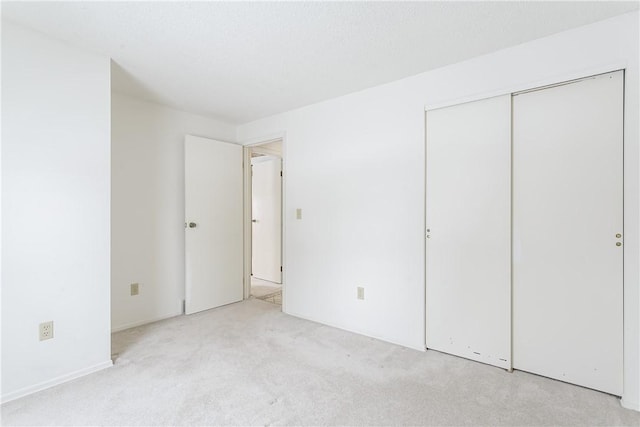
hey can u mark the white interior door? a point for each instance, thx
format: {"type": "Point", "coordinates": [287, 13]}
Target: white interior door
{"type": "Point", "coordinates": [266, 207]}
{"type": "Point", "coordinates": [213, 217]}
{"type": "Point", "coordinates": [567, 216]}
{"type": "Point", "coordinates": [468, 208]}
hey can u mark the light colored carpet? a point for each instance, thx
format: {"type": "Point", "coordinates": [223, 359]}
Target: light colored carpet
{"type": "Point", "coordinates": [261, 291]}
{"type": "Point", "coordinates": [266, 291]}
{"type": "Point", "coordinates": [250, 364]}
{"type": "Point", "coordinates": [274, 298]}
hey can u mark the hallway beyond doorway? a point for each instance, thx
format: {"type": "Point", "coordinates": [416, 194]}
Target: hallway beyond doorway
{"type": "Point", "coordinates": [266, 291]}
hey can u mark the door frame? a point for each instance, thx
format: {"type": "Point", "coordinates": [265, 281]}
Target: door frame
{"type": "Point", "coordinates": [249, 147]}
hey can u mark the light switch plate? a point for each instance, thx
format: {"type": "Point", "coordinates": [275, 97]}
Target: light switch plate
{"type": "Point", "coordinates": [360, 292]}
{"type": "Point", "coordinates": [135, 289]}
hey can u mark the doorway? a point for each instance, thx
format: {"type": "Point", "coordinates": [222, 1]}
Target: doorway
{"type": "Point", "coordinates": [263, 217]}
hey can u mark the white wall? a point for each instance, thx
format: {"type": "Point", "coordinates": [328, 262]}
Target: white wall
{"type": "Point", "coordinates": [355, 165]}
{"type": "Point", "coordinates": [147, 206]}
{"type": "Point", "coordinates": [55, 211]}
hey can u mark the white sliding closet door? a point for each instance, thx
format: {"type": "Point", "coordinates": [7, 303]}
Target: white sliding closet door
{"type": "Point", "coordinates": [567, 232]}
{"type": "Point", "coordinates": [468, 211]}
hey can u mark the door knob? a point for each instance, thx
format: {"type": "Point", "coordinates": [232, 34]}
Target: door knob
{"type": "Point", "coordinates": [254, 220]}
{"type": "Point", "coordinates": [192, 225]}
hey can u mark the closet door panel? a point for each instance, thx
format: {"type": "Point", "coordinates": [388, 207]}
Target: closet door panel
{"type": "Point", "coordinates": [567, 214]}
{"type": "Point", "coordinates": [468, 207]}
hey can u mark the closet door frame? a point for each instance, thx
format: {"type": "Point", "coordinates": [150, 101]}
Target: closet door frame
{"type": "Point", "coordinates": [631, 307]}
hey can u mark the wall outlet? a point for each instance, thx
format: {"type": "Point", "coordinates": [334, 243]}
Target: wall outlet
{"type": "Point", "coordinates": [135, 289]}
{"type": "Point", "coordinates": [46, 330]}
{"type": "Point", "coordinates": [360, 292]}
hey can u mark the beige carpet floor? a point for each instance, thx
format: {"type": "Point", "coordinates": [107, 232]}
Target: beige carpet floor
{"type": "Point", "coordinates": [250, 364]}
{"type": "Point", "coordinates": [266, 291]}
{"type": "Point", "coordinates": [273, 298]}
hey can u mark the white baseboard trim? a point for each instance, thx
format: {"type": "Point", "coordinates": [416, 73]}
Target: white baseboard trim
{"type": "Point", "coordinates": [144, 322]}
{"type": "Point", "coordinates": [634, 405]}
{"type": "Point", "coordinates": [420, 347]}
{"type": "Point", "coordinates": [54, 382]}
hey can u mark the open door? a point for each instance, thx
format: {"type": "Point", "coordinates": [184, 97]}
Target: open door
{"type": "Point", "coordinates": [213, 223]}
{"type": "Point", "coordinates": [267, 218]}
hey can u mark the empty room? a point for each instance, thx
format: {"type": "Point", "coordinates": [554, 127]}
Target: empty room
{"type": "Point", "coordinates": [320, 213]}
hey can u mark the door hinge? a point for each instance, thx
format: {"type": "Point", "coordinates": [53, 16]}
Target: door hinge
{"type": "Point", "coordinates": [281, 269]}
{"type": "Point", "coordinates": [280, 173]}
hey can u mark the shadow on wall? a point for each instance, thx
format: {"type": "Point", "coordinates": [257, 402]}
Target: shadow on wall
{"type": "Point", "coordinates": [123, 81]}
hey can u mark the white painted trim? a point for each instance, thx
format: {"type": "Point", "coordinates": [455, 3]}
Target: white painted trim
{"type": "Point", "coordinates": [55, 381]}
{"type": "Point", "coordinates": [284, 220]}
{"type": "Point", "coordinates": [246, 224]}
{"type": "Point", "coordinates": [266, 151]}
{"type": "Point", "coordinates": [634, 406]}
{"type": "Point", "coordinates": [424, 231]}
{"type": "Point", "coordinates": [355, 331]}
{"type": "Point", "coordinates": [558, 78]}
{"type": "Point", "coordinates": [274, 137]}
{"type": "Point", "coordinates": [144, 322]}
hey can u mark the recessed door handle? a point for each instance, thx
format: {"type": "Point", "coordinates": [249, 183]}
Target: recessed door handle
{"type": "Point", "coordinates": [192, 225]}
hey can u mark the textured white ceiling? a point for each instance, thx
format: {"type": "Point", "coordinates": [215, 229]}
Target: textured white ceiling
{"type": "Point", "coordinates": [239, 61]}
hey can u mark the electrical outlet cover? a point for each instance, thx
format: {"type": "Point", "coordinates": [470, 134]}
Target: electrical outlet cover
{"type": "Point", "coordinates": [46, 330]}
